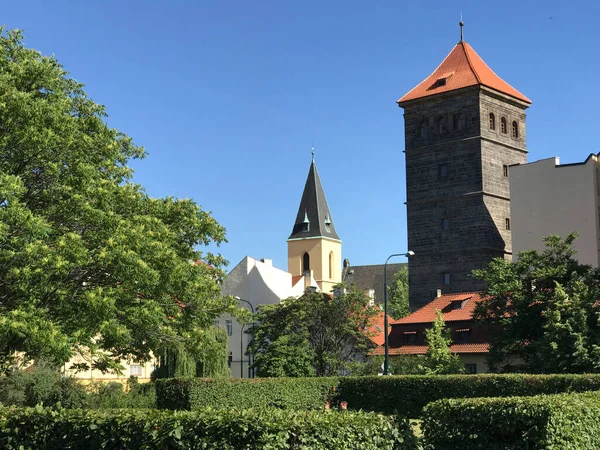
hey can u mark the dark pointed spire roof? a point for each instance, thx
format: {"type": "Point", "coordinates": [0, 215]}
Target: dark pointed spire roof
{"type": "Point", "coordinates": [313, 218]}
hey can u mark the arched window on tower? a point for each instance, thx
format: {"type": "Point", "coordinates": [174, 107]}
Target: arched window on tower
{"type": "Point", "coordinates": [492, 121]}
{"type": "Point", "coordinates": [515, 129]}
{"type": "Point", "coordinates": [331, 265]}
{"type": "Point", "coordinates": [441, 124]}
{"type": "Point", "coordinates": [503, 125]}
{"type": "Point", "coordinates": [305, 263]}
{"type": "Point", "coordinates": [462, 121]}
{"type": "Point", "coordinates": [424, 124]}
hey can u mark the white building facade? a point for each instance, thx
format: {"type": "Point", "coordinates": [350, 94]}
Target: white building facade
{"type": "Point", "coordinates": [550, 198]}
{"type": "Point", "coordinates": [258, 283]}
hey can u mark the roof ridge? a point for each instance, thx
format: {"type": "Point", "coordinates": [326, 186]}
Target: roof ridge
{"type": "Point", "coordinates": [469, 60]}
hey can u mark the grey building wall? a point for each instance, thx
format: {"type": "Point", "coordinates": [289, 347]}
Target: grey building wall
{"type": "Point", "coordinates": [457, 190]}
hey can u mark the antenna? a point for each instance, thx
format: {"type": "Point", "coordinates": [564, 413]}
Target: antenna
{"type": "Point", "coordinates": [461, 24]}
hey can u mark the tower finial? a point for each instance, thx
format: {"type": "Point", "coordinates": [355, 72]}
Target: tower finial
{"type": "Point", "coordinates": [313, 153]}
{"type": "Point", "coordinates": [461, 24]}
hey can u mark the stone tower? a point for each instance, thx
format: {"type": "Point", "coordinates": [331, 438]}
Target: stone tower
{"type": "Point", "coordinates": [314, 248]}
{"type": "Point", "coordinates": [464, 126]}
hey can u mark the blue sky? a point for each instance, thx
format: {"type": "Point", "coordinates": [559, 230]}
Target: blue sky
{"type": "Point", "coordinates": [228, 97]}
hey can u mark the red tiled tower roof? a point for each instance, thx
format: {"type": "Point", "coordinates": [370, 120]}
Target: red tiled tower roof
{"type": "Point", "coordinates": [461, 68]}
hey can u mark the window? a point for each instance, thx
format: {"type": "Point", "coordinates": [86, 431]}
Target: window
{"type": "Point", "coordinates": [424, 124]}
{"type": "Point", "coordinates": [459, 121]}
{"type": "Point", "coordinates": [305, 263]}
{"type": "Point", "coordinates": [492, 122]}
{"type": "Point", "coordinates": [471, 369]}
{"type": "Point", "coordinates": [515, 129]}
{"type": "Point", "coordinates": [331, 265]}
{"type": "Point", "coordinates": [446, 278]}
{"type": "Point", "coordinates": [443, 171]}
{"type": "Point", "coordinates": [229, 324]}
{"type": "Point", "coordinates": [507, 223]}
{"type": "Point", "coordinates": [410, 337]}
{"type": "Point", "coordinates": [462, 336]}
{"type": "Point", "coordinates": [135, 370]}
{"type": "Point", "coordinates": [441, 124]}
{"type": "Point", "coordinates": [505, 170]}
{"type": "Point", "coordinates": [503, 125]}
{"type": "Point", "coordinates": [445, 224]}
{"type": "Point", "coordinates": [229, 359]}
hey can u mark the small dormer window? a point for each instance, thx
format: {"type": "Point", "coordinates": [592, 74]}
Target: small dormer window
{"type": "Point", "coordinates": [410, 337]}
{"type": "Point", "coordinates": [462, 335]}
{"type": "Point", "coordinates": [305, 222]}
{"type": "Point", "coordinates": [327, 223]}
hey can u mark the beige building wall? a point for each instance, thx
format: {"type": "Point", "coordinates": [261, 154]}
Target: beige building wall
{"type": "Point", "coordinates": [325, 260]}
{"type": "Point", "coordinates": [479, 359]}
{"type": "Point", "coordinates": [550, 198]}
{"type": "Point", "coordinates": [142, 371]}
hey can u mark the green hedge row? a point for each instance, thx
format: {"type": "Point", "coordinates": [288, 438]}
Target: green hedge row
{"type": "Point", "coordinates": [39, 428]}
{"type": "Point", "coordinates": [563, 421]}
{"type": "Point", "coordinates": [284, 393]}
{"type": "Point", "coordinates": [410, 393]}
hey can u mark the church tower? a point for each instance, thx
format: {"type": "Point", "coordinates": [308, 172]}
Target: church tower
{"type": "Point", "coordinates": [314, 248]}
{"type": "Point", "coordinates": [464, 127]}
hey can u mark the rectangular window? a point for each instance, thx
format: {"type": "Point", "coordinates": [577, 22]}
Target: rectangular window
{"type": "Point", "coordinates": [445, 224]}
{"type": "Point", "coordinates": [462, 336]}
{"type": "Point", "coordinates": [471, 369]}
{"type": "Point", "coordinates": [507, 223]}
{"type": "Point", "coordinates": [505, 170]}
{"type": "Point", "coordinates": [135, 370]}
{"type": "Point", "coordinates": [446, 278]}
{"type": "Point", "coordinates": [229, 359]}
{"type": "Point", "coordinates": [229, 324]}
{"type": "Point", "coordinates": [443, 171]}
{"type": "Point", "coordinates": [410, 337]}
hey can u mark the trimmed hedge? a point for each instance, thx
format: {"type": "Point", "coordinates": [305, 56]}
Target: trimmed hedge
{"type": "Point", "coordinates": [408, 394]}
{"type": "Point", "coordinates": [39, 428]}
{"type": "Point", "coordinates": [563, 421]}
{"type": "Point", "coordinates": [284, 393]}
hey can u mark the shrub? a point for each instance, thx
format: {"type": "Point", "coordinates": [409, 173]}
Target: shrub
{"type": "Point", "coordinates": [41, 385]}
{"type": "Point", "coordinates": [113, 395]}
{"type": "Point", "coordinates": [563, 421]}
{"type": "Point", "coordinates": [208, 429]}
{"type": "Point", "coordinates": [284, 393]}
{"type": "Point", "coordinates": [409, 394]}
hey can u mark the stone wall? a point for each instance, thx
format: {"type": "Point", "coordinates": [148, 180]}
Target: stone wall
{"type": "Point", "coordinates": [457, 189]}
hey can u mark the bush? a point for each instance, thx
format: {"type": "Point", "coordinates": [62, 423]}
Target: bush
{"type": "Point", "coordinates": [113, 395]}
{"type": "Point", "coordinates": [284, 393]}
{"type": "Point", "coordinates": [41, 386]}
{"type": "Point", "coordinates": [208, 429]}
{"type": "Point", "coordinates": [564, 421]}
{"type": "Point", "coordinates": [409, 394]}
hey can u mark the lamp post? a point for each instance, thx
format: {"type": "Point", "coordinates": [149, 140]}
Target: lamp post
{"type": "Point", "coordinates": [242, 338]}
{"type": "Point", "coordinates": [386, 361]}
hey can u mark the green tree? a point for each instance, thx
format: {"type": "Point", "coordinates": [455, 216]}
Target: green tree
{"type": "Point", "coordinates": [88, 261]}
{"type": "Point", "coordinates": [438, 359]}
{"type": "Point", "coordinates": [313, 335]}
{"type": "Point", "coordinates": [543, 311]}
{"type": "Point", "coordinates": [398, 305]}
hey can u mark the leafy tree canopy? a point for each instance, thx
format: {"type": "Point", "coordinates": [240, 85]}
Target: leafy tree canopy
{"type": "Point", "coordinates": [438, 359]}
{"type": "Point", "coordinates": [88, 261]}
{"type": "Point", "coordinates": [313, 335]}
{"type": "Point", "coordinates": [543, 310]}
{"type": "Point", "coordinates": [398, 306]}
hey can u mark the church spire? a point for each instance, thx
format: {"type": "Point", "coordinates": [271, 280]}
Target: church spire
{"type": "Point", "coordinates": [313, 218]}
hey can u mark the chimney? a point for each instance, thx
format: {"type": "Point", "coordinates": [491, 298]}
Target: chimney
{"type": "Point", "coordinates": [438, 293]}
{"type": "Point", "coordinates": [268, 262]}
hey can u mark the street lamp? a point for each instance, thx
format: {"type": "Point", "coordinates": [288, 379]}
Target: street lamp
{"type": "Point", "coordinates": [386, 362]}
{"type": "Point", "coordinates": [242, 338]}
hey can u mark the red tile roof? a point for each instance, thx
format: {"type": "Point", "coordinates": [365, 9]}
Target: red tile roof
{"type": "Point", "coordinates": [427, 313]}
{"type": "Point", "coordinates": [375, 328]}
{"type": "Point", "coordinates": [461, 68]}
{"type": "Point", "coordinates": [422, 349]}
